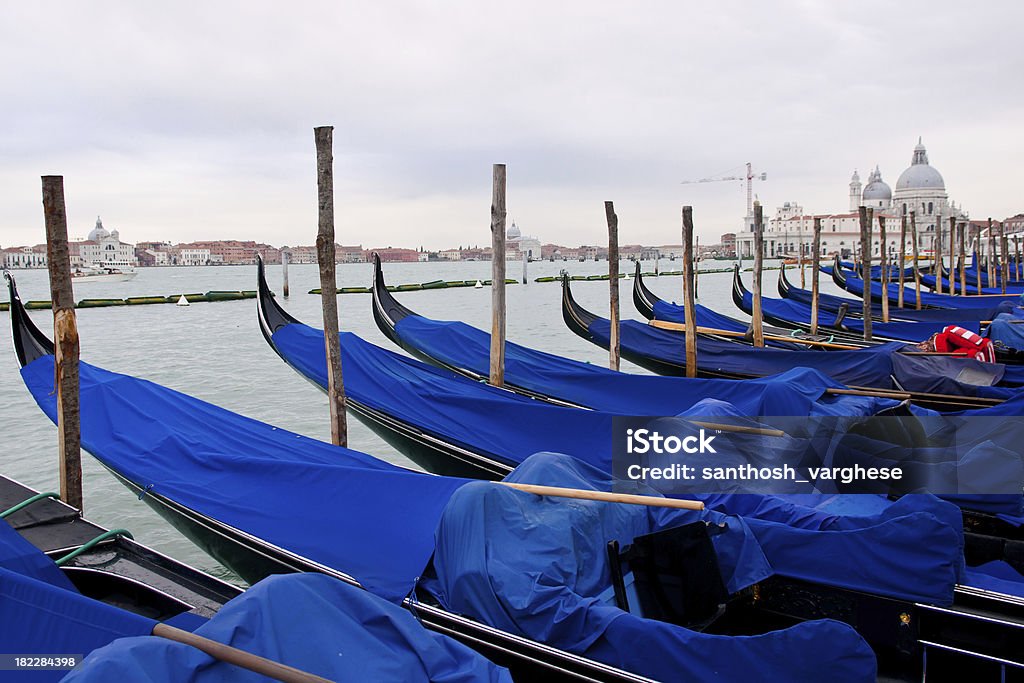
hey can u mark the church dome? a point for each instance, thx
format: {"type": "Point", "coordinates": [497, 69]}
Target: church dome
{"type": "Point", "coordinates": [98, 232]}
{"type": "Point", "coordinates": [513, 232]}
{"type": "Point", "coordinates": [920, 176]}
{"type": "Point", "coordinates": [876, 188]}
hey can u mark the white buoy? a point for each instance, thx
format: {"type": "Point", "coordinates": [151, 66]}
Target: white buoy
{"type": "Point", "coordinates": [478, 285]}
{"type": "Point", "coordinates": [182, 301]}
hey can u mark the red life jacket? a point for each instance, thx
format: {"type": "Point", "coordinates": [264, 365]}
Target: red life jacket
{"type": "Point", "coordinates": [956, 340]}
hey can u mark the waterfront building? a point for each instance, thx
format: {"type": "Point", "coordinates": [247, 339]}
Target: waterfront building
{"type": "Point", "coordinates": [104, 248]}
{"type": "Point", "coordinates": [24, 257]}
{"type": "Point", "coordinates": [516, 244]}
{"type": "Point", "coordinates": [919, 189]}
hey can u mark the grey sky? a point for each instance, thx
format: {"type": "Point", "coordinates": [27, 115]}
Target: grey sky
{"type": "Point", "coordinates": [189, 121]}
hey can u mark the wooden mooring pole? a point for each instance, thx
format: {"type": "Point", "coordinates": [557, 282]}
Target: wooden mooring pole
{"type": "Point", "coordinates": [952, 255]}
{"type": "Point", "coordinates": [815, 262]}
{"type": "Point", "coordinates": [758, 324]}
{"type": "Point", "coordinates": [65, 341]}
{"type": "Point", "coordinates": [285, 257]}
{"type": "Point", "coordinates": [613, 283]}
{"type": "Point", "coordinates": [937, 261]}
{"type": "Point", "coordinates": [689, 309]}
{"type": "Point", "coordinates": [917, 272]}
{"type": "Point", "coordinates": [1004, 247]}
{"type": "Point", "coordinates": [866, 220]}
{"type": "Point", "coordinates": [885, 268]}
{"type": "Point", "coordinates": [903, 262]}
{"type": "Point", "coordinates": [990, 261]}
{"type": "Point", "coordinates": [497, 374]}
{"type": "Point", "coordinates": [326, 257]}
{"type": "Point", "coordinates": [962, 238]}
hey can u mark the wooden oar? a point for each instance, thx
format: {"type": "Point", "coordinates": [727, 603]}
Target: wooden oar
{"type": "Point", "coordinates": [241, 658]}
{"type": "Point", "coordinates": [582, 494]}
{"type": "Point", "coordinates": [679, 327]}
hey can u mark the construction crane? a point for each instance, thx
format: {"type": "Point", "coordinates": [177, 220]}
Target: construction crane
{"type": "Point", "coordinates": [750, 178]}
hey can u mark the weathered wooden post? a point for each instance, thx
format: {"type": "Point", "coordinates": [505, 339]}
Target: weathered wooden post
{"type": "Point", "coordinates": [990, 261]}
{"type": "Point", "coordinates": [903, 261]}
{"type": "Point", "coordinates": [937, 256]}
{"type": "Point", "coordinates": [1017, 243]}
{"type": "Point", "coordinates": [526, 259]}
{"type": "Point", "coordinates": [884, 269]}
{"type": "Point", "coordinates": [917, 272]}
{"type": "Point", "coordinates": [758, 260]}
{"type": "Point", "coordinates": [802, 260]}
{"type": "Point", "coordinates": [613, 283]}
{"type": "Point", "coordinates": [952, 255]}
{"type": "Point", "coordinates": [962, 237]}
{"type": "Point", "coordinates": [285, 257]}
{"type": "Point", "coordinates": [498, 275]}
{"type": "Point", "coordinates": [326, 258]}
{"type": "Point", "coordinates": [815, 261]}
{"type": "Point", "coordinates": [689, 309]}
{"type": "Point", "coordinates": [866, 220]}
{"type": "Point", "coordinates": [1004, 247]}
{"type": "Point", "coordinates": [696, 268]}
{"type": "Point", "coordinates": [65, 338]}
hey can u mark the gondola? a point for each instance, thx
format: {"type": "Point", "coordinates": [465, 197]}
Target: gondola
{"type": "Point", "coordinates": [652, 307]}
{"type": "Point", "coordinates": [879, 368]}
{"type": "Point", "coordinates": [462, 348]}
{"type": "Point", "coordinates": [853, 284]}
{"type": "Point", "coordinates": [795, 316]}
{"type": "Point", "coordinates": [70, 586]}
{"type": "Point", "coordinates": [286, 503]}
{"type": "Point", "coordinates": [854, 307]}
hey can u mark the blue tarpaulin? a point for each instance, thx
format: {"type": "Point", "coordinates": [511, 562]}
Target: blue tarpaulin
{"type": "Point", "coordinates": [533, 566]}
{"type": "Point", "coordinates": [309, 621]}
{"type": "Point", "coordinates": [231, 468]}
{"type": "Point", "coordinates": [797, 392]}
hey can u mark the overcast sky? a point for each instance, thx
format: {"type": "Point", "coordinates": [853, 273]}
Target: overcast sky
{"type": "Point", "coordinates": [184, 121]}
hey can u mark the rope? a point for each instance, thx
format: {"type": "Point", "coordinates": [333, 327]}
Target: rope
{"type": "Point", "coordinates": [25, 503]}
{"type": "Point", "coordinates": [89, 546]}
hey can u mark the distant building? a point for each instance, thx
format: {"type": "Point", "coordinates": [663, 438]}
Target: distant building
{"type": "Point", "coordinates": [920, 189]}
{"type": "Point", "coordinates": [193, 256]}
{"type": "Point", "coordinates": [392, 254]}
{"type": "Point", "coordinates": [516, 244]}
{"type": "Point", "coordinates": [728, 242]}
{"type": "Point", "coordinates": [104, 248]}
{"type": "Point", "coordinates": [346, 254]}
{"type": "Point", "coordinates": [235, 252]}
{"type": "Point", "coordinates": [24, 257]}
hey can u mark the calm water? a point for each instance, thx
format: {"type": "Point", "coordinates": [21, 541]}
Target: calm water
{"type": "Point", "coordinates": [214, 351]}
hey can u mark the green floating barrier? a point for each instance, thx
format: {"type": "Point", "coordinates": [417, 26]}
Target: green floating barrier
{"type": "Point", "coordinates": [435, 284]}
{"type": "Point", "coordinates": [5, 305]}
{"type": "Point", "coordinates": [460, 283]}
{"type": "Point", "coordinates": [410, 287]}
{"type": "Point", "coordinates": [650, 273]}
{"type": "Point", "coordinates": [354, 290]}
{"type": "Point", "coordinates": [37, 305]}
{"type": "Point", "coordinates": [249, 293]}
{"type": "Point", "coordinates": [597, 277]}
{"type": "Point", "coordinates": [547, 278]}
{"type": "Point", "coordinates": [99, 303]}
{"type": "Point", "coordinates": [392, 288]}
{"type": "Point", "coordinates": [221, 295]}
{"type": "Point", "coordinates": [142, 300]}
{"type": "Point", "coordinates": [577, 277]}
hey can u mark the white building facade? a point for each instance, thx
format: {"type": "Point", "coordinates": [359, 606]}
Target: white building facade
{"type": "Point", "coordinates": [920, 190]}
{"type": "Point", "coordinates": [105, 248]}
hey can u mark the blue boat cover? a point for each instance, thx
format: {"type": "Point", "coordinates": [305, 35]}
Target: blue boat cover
{"type": "Point", "coordinates": [18, 555]}
{"type": "Point", "coordinates": [800, 314]}
{"type": "Point", "coordinates": [308, 621]}
{"type": "Point", "coordinates": [855, 285]}
{"type": "Point", "coordinates": [996, 576]}
{"type": "Point", "coordinates": [832, 303]}
{"type": "Point", "coordinates": [869, 367]}
{"type": "Point", "coordinates": [230, 468]}
{"type": "Point", "coordinates": [533, 566]}
{"type": "Point", "coordinates": [40, 618]}
{"type": "Point", "coordinates": [796, 392]}
{"type": "Point", "coordinates": [1004, 330]}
